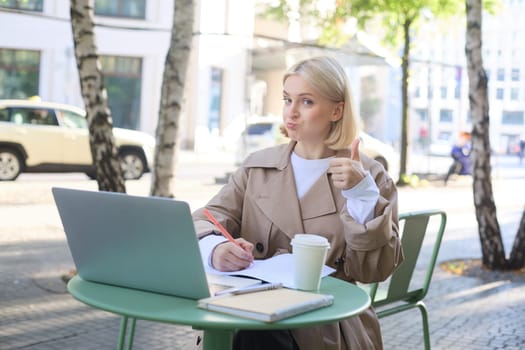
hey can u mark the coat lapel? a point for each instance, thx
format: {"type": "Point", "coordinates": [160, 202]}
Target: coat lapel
{"type": "Point", "coordinates": [318, 200]}
{"type": "Point", "coordinates": [280, 204]}
{"type": "Point", "coordinates": [276, 195]}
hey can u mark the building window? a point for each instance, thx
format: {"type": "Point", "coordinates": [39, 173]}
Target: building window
{"type": "Point", "coordinates": [423, 114]}
{"type": "Point", "coordinates": [444, 136]}
{"type": "Point", "coordinates": [443, 92]}
{"type": "Point", "coordinates": [430, 92]}
{"type": "Point", "coordinates": [457, 79]}
{"type": "Point", "coordinates": [515, 74]}
{"type": "Point", "coordinates": [121, 8]}
{"type": "Point", "coordinates": [214, 111]}
{"type": "Point", "coordinates": [514, 94]}
{"type": "Point", "coordinates": [500, 74]}
{"type": "Point", "coordinates": [445, 116]}
{"type": "Point", "coordinates": [457, 91]}
{"type": "Point", "coordinates": [499, 93]}
{"type": "Point", "coordinates": [512, 118]}
{"type": "Point", "coordinates": [28, 5]}
{"type": "Point", "coordinates": [123, 81]}
{"type": "Point", "coordinates": [19, 73]}
{"type": "Point", "coordinates": [417, 92]}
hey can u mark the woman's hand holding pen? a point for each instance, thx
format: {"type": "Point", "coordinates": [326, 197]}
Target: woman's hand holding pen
{"type": "Point", "coordinates": [229, 256]}
{"type": "Point", "coordinates": [233, 255]}
{"type": "Point", "coordinates": [347, 172]}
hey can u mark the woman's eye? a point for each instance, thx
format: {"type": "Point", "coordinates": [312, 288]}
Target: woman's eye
{"type": "Point", "coordinates": [287, 100]}
{"type": "Point", "coordinates": [308, 102]}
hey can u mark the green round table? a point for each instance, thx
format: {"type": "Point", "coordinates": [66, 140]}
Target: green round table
{"type": "Point", "coordinates": [131, 304]}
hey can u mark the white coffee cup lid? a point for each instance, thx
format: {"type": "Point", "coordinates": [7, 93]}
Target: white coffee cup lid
{"type": "Point", "coordinates": [306, 239]}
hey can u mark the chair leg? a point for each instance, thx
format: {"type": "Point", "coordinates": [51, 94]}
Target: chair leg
{"type": "Point", "coordinates": [424, 316]}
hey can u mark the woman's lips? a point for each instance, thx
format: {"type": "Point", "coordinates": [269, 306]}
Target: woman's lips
{"type": "Point", "coordinates": [291, 126]}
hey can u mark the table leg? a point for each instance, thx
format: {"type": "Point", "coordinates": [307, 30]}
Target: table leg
{"type": "Point", "coordinates": [124, 330]}
{"type": "Point", "coordinates": [131, 333]}
{"type": "Point", "coordinates": [217, 339]}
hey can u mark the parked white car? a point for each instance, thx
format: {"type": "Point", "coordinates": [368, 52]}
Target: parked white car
{"type": "Point", "coordinates": [381, 152]}
{"type": "Point", "coordinates": [262, 132]}
{"type": "Point", "coordinates": [46, 137]}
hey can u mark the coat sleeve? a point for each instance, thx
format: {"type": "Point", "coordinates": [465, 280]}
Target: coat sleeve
{"type": "Point", "coordinates": [226, 207]}
{"type": "Point", "coordinates": [373, 249]}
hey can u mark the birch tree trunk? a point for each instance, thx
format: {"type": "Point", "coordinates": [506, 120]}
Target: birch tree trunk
{"type": "Point", "coordinates": [517, 255]}
{"type": "Point", "coordinates": [103, 148]}
{"type": "Point", "coordinates": [405, 126]}
{"type": "Point", "coordinates": [492, 249]}
{"type": "Point", "coordinates": [171, 98]}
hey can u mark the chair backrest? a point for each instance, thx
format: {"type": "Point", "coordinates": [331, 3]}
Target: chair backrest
{"type": "Point", "coordinates": [415, 227]}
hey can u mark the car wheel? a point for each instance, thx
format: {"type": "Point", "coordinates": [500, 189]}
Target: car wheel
{"type": "Point", "coordinates": [382, 161]}
{"type": "Point", "coordinates": [10, 164]}
{"type": "Point", "coordinates": [132, 164]}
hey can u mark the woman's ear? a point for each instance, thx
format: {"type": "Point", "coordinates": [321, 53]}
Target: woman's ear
{"type": "Point", "coordinates": [338, 111]}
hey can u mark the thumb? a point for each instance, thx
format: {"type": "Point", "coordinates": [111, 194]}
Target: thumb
{"type": "Point", "coordinates": [355, 149]}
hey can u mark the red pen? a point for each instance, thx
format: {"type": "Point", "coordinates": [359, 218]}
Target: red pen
{"type": "Point", "coordinates": [221, 228]}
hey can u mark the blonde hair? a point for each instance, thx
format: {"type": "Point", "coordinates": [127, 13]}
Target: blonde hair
{"type": "Point", "coordinates": [328, 77]}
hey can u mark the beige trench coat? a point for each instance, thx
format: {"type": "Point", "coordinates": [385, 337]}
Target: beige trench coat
{"type": "Point", "coordinates": [260, 204]}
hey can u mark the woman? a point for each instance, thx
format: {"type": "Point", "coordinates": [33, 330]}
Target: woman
{"type": "Point", "coordinates": [318, 183]}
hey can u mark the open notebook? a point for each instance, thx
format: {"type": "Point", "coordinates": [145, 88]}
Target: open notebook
{"type": "Point", "coordinates": [275, 269]}
{"type": "Point", "coordinates": [146, 243]}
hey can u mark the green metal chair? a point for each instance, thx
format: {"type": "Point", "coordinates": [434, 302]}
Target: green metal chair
{"type": "Point", "coordinates": [400, 295]}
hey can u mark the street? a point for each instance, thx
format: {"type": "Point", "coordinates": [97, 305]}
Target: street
{"type": "Point", "coordinates": [37, 313]}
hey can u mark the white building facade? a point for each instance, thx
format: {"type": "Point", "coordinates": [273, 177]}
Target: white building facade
{"type": "Point", "coordinates": [132, 37]}
{"type": "Point", "coordinates": [439, 83]}
{"type": "Point", "coordinates": [229, 78]}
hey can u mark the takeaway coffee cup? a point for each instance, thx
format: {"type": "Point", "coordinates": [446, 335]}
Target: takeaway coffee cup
{"type": "Point", "coordinates": [309, 254]}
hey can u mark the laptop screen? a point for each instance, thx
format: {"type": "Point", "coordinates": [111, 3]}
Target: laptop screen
{"type": "Point", "coordinates": [146, 243]}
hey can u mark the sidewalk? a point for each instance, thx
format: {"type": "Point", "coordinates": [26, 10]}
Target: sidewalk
{"type": "Point", "coordinates": [36, 313]}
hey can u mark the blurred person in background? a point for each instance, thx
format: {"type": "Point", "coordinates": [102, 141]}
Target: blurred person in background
{"type": "Point", "coordinates": [461, 163]}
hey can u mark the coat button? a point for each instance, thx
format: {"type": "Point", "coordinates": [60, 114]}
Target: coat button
{"type": "Point", "coordinates": [259, 247]}
{"type": "Point", "coordinates": [340, 261]}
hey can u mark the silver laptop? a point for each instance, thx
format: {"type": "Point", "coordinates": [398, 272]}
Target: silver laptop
{"type": "Point", "coordinates": [146, 243]}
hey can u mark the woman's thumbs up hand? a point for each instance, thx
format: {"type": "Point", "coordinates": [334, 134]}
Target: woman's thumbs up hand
{"type": "Point", "coordinates": [347, 172]}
